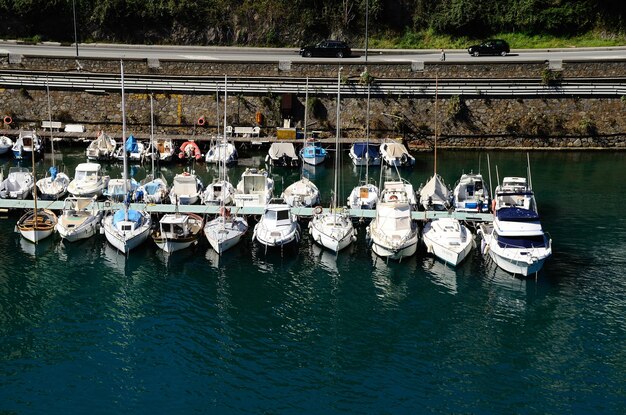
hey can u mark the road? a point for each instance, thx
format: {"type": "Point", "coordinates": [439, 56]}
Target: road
{"type": "Point", "coordinates": [275, 55]}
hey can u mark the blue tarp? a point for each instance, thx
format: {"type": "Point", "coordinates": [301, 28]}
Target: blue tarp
{"type": "Point", "coordinates": [131, 144]}
{"type": "Point", "coordinates": [516, 214]}
{"type": "Point", "coordinates": [133, 216]}
{"type": "Point", "coordinates": [53, 172]}
{"type": "Point", "coordinates": [360, 149]}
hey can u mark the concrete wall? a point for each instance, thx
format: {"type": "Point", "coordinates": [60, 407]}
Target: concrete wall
{"type": "Point", "coordinates": [474, 122]}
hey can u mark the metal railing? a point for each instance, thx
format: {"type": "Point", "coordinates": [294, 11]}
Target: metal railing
{"type": "Point", "coordinates": [103, 83]}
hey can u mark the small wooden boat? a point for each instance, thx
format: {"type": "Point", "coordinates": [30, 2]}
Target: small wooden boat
{"type": "Point", "coordinates": [37, 224]}
{"type": "Point", "coordinates": [177, 231]}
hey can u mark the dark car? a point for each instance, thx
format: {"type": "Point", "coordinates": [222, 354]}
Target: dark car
{"type": "Point", "coordinates": [327, 48]}
{"type": "Point", "coordinates": [490, 47]}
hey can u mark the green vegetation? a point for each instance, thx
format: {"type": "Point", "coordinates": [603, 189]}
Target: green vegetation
{"type": "Point", "coordinates": [291, 23]}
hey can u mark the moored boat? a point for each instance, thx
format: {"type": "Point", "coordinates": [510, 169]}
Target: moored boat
{"type": "Point", "coordinates": [177, 231]}
{"type": "Point", "coordinates": [80, 219]}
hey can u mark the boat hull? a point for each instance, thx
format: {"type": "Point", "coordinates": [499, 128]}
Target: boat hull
{"type": "Point", "coordinates": [86, 230]}
{"type": "Point", "coordinates": [395, 252]}
{"type": "Point", "coordinates": [225, 234]}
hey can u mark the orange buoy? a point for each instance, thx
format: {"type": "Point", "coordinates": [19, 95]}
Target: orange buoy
{"type": "Point", "coordinates": [259, 118]}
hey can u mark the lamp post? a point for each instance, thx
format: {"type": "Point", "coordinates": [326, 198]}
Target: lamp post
{"type": "Point", "coordinates": [75, 31]}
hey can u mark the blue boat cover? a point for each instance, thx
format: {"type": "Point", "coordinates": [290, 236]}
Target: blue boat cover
{"type": "Point", "coordinates": [361, 148]}
{"type": "Point", "coordinates": [516, 214]}
{"type": "Point", "coordinates": [131, 144]}
{"type": "Point", "coordinates": [151, 188]}
{"type": "Point", "coordinates": [133, 216]}
{"type": "Point", "coordinates": [53, 172]}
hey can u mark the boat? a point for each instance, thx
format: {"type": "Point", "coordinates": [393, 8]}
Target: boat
{"type": "Point", "coordinates": [277, 227]}
{"type": "Point", "coordinates": [333, 229]}
{"type": "Point", "coordinates": [36, 224]}
{"type": "Point", "coordinates": [135, 150]}
{"type": "Point", "coordinates": [396, 155]}
{"type": "Point", "coordinates": [127, 228]}
{"type": "Point", "coordinates": [303, 193]}
{"type": "Point", "coordinates": [177, 231]}
{"type": "Point", "coordinates": [392, 234]}
{"type": "Point", "coordinates": [435, 195]}
{"type": "Point", "coordinates": [118, 190]}
{"type": "Point", "coordinates": [222, 151]}
{"type": "Point", "coordinates": [313, 153]}
{"type": "Point", "coordinates": [219, 192]}
{"type": "Point", "coordinates": [5, 144]}
{"type": "Point", "coordinates": [190, 151]}
{"type": "Point", "coordinates": [186, 189]}
{"type": "Point", "coordinates": [255, 188]}
{"type": "Point", "coordinates": [365, 154]}
{"type": "Point", "coordinates": [53, 186]}
{"type": "Point", "coordinates": [282, 155]}
{"type": "Point", "coordinates": [26, 143]}
{"type": "Point", "coordinates": [365, 194]}
{"type": "Point", "coordinates": [18, 184]}
{"type": "Point", "coordinates": [80, 219]}
{"type": "Point", "coordinates": [471, 194]}
{"type": "Point", "coordinates": [226, 230]}
{"type": "Point", "coordinates": [515, 240]}
{"type": "Point", "coordinates": [448, 239]}
{"type": "Point", "coordinates": [151, 189]}
{"type": "Point", "coordinates": [102, 148]}
{"type": "Point", "coordinates": [88, 181]}
{"type": "Point", "coordinates": [161, 150]}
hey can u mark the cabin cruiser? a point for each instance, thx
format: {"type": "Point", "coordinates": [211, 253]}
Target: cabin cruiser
{"type": "Point", "coordinates": [186, 189]}
{"type": "Point", "coordinates": [27, 143]}
{"type": "Point", "coordinates": [80, 219]}
{"type": "Point", "coordinates": [254, 189]}
{"type": "Point", "coordinates": [396, 155]}
{"type": "Point", "coordinates": [515, 240]}
{"type": "Point", "coordinates": [471, 194]}
{"type": "Point", "coordinates": [88, 181]}
{"type": "Point", "coordinates": [278, 227]}
{"type": "Point", "coordinates": [18, 185]}
{"type": "Point", "coordinates": [448, 239]}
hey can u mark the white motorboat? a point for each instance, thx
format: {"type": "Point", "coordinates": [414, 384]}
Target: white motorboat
{"type": "Point", "coordinates": [186, 189]}
{"type": "Point", "coordinates": [225, 231]}
{"type": "Point", "coordinates": [53, 186]}
{"type": "Point", "coordinates": [80, 219]}
{"type": "Point", "coordinates": [5, 144]}
{"type": "Point", "coordinates": [37, 224]}
{"type": "Point", "coordinates": [118, 191]}
{"type": "Point", "coordinates": [254, 189]}
{"type": "Point", "coordinates": [220, 192]}
{"type": "Point", "coordinates": [515, 240]}
{"type": "Point", "coordinates": [471, 194]}
{"type": "Point", "coordinates": [18, 184]}
{"type": "Point", "coordinates": [333, 229]}
{"type": "Point", "coordinates": [26, 143]}
{"type": "Point", "coordinates": [396, 155]}
{"type": "Point", "coordinates": [222, 151]}
{"type": "Point", "coordinates": [278, 227]}
{"type": "Point", "coordinates": [127, 228]}
{"type": "Point", "coordinates": [365, 154]}
{"type": "Point", "coordinates": [447, 239]}
{"type": "Point", "coordinates": [435, 195]}
{"type": "Point", "coordinates": [102, 148]}
{"type": "Point", "coordinates": [178, 231]}
{"type": "Point", "coordinates": [313, 153]}
{"type": "Point", "coordinates": [135, 150]}
{"type": "Point", "coordinates": [399, 191]}
{"type": "Point", "coordinates": [364, 196]}
{"type": "Point", "coordinates": [392, 234]}
{"type": "Point", "coordinates": [88, 181]}
{"type": "Point", "coordinates": [151, 190]}
{"type": "Point", "coordinates": [303, 193]}
{"type": "Point", "coordinates": [282, 155]}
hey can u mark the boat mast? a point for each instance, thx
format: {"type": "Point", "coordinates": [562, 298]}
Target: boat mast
{"type": "Point", "coordinates": [436, 120]}
{"type": "Point", "coordinates": [50, 121]}
{"type": "Point", "coordinates": [225, 141]}
{"type": "Point", "coordinates": [124, 139]}
{"type": "Point", "coordinates": [152, 133]}
{"type": "Point", "coordinates": [367, 134]}
{"type": "Point", "coordinates": [334, 203]}
{"type": "Point", "coordinates": [306, 116]}
{"type": "Point", "coordinates": [32, 147]}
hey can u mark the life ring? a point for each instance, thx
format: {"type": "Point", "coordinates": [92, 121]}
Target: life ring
{"type": "Point", "coordinates": [186, 173]}
{"type": "Point", "coordinates": [318, 210]}
{"type": "Point", "coordinates": [201, 121]}
{"type": "Point", "coordinates": [393, 197]}
{"type": "Point", "coordinates": [8, 120]}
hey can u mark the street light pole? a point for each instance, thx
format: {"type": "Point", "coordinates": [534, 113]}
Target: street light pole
{"type": "Point", "coordinates": [75, 31]}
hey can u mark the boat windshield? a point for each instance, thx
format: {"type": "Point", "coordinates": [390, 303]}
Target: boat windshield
{"type": "Point", "coordinates": [86, 175]}
{"type": "Point", "coordinates": [535, 241]}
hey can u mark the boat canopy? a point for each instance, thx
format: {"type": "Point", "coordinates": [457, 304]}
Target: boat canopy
{"type": "Point", "coordinates": [435, 191]}
{"type": "Point", "coordinates": [278, 150]}
{"type": "Point", "coordinates": [133, 216]}
{"type": "Point", "coordinates": [516, 214]}
{"type": "Point", "coordinates": [131, 144]}
{"type": "Point", "coordinates": [395, 150]}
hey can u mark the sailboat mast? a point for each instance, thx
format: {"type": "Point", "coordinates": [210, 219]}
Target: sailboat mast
{"type": "Point", "coordinates": [152, 132]}
{"type": "Point", "coordinates": [32, 147]}
{"type": "Point", "coordinates": [50, 121]}
{"type": "Point", "coordinates": [337, 139]}
{"type": "Point", "coordinates": [367, 135]}
{"type": "Point", "coordinates": [306, 106]}
{"type": "Point", "coordinates": [436, 120]}
{"type": "Point", "coordinates": [124, 139]}
{"type": "Point", "coordinates": [224, 148]}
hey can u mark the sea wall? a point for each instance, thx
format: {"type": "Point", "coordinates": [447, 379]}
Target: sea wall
{"type": "Point", "coordinates": [463, 122]}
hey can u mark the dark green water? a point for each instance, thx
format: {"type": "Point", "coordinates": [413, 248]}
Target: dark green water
{"type": "Point", "coordinates": [84, 329]}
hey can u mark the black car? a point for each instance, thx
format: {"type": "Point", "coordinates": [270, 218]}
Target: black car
{"type": "Point", "coordinates": [327, 48]}
{"type": "Point", "coordinates": [490, 47]}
